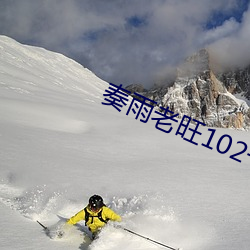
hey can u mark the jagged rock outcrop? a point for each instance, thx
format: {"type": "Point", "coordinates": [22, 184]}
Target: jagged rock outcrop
{"type": "Point", "coordinates": [198, 93]}
{"type": "Point", "coordinates": [237, 81]}
{"type": "Point", "coordinates": [138, 88]}
{"type": "Point", "coordinates": [203, 95]}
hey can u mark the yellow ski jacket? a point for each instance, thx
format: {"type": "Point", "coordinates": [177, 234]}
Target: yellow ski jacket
{"type": "Point", "coordinates": [94, 223]}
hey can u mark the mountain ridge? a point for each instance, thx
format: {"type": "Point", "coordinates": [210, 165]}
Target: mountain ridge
{"type": "Point", "coordinates": [206, 95]}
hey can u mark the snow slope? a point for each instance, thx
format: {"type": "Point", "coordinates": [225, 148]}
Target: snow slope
{"type": "Point", "coordinates": [59, 145]}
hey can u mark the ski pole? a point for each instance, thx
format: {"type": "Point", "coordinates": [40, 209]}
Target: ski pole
{"type": "Point", "coordinates": [45, 228]}
{"type": "Point", "coordinates": [146, 238]}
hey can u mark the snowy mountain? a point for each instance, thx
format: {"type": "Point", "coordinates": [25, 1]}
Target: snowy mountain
{"type": "Point", "coordinates": [237, 82]}
{"type": "Point", "coordinates": [208, 96]}
{"type": "Point", "coordinates": [59, 145]}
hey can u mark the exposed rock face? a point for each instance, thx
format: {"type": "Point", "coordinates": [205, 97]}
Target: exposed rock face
{"type": "Point", "coordinates": [199, 93]}
{"type": "Point", "coordinates": [237, 81]}
{"type": "Point", "coordinates": [138, 88]}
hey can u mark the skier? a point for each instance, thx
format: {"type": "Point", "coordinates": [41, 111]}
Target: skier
{"type": "Point", "coordinates": [95, 214]}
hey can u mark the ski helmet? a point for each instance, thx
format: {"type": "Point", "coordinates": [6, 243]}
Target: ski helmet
{"type": "Point", "coordinates": [95, 202]}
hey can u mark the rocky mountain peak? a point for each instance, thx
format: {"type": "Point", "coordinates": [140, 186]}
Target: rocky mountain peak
{"type": "Point", "coordinates": [200, 93]}
{"type": "Point", "coordinates": [197, 64]}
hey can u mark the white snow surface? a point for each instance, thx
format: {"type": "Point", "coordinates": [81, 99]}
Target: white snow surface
{"type": "Point", "coordinates": [59, 145]}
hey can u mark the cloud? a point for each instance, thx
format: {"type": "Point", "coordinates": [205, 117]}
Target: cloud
{"type": "Point", "coordinates": [228, 28]}
{"type": "Point", "coordinates": [124, 41]}
{"type": "Point", "coordinates": [233, 49]}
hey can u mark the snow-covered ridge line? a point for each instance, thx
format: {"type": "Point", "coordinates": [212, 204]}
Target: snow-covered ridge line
{"type": "Point", "coordinates": [34, 66]}
{"type": "Point", "coordinates": [33, 74]}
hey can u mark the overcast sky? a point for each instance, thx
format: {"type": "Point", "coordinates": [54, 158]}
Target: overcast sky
{"type": "Point", "coordinates": [131, 41]}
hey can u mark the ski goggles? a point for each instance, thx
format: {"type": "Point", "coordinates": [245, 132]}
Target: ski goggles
{"type": "Point", "coordinates": [94, 208]}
